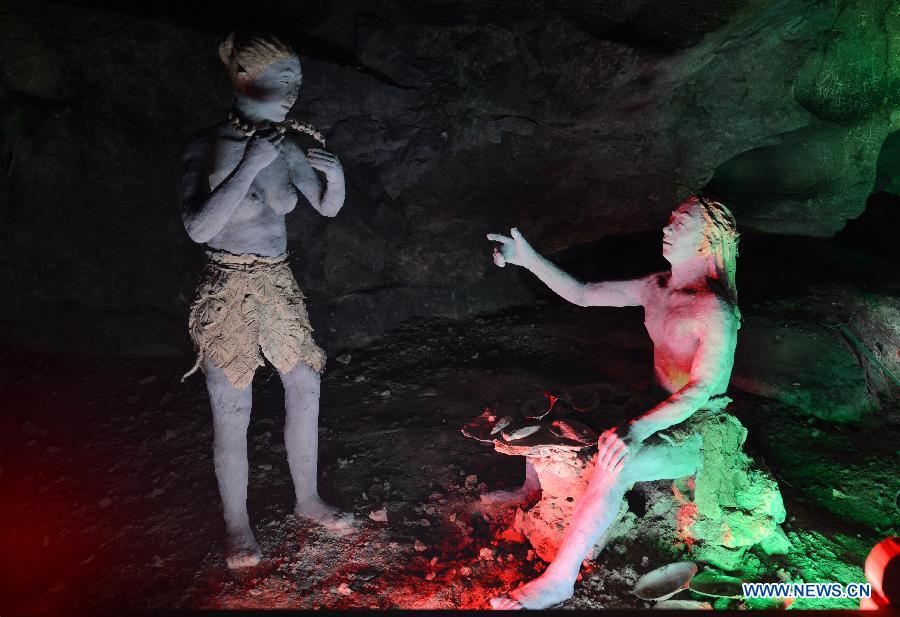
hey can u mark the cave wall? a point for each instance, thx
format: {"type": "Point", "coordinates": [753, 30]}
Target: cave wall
{"type": "Point", "coordinates": [573, 121]}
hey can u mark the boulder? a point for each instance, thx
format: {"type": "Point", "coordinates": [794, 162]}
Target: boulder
{"type": "Point", "coordinates": [813, 370]}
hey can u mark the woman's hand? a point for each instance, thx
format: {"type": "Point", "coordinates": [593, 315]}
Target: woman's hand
{"type": "Point", "coordinates": [327, 163]}
{"type": "Point", "coordinates": [263, 149]}
{"type": "Point", "coordinates": [512, 250]}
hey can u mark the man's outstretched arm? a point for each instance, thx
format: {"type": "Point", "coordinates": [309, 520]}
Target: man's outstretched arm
{"type": "Point", "coordinates": [516, 250]}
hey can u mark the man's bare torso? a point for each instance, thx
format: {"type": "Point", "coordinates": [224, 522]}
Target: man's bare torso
{"type": "Point", "coordinates": [678, 322]}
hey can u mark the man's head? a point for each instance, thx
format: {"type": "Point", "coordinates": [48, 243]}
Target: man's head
{"type": "Point", "coordinates": [701, 227]}
{"type": "Point", "coordinates": [265, 72]}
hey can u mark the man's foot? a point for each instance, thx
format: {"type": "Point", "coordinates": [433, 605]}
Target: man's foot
{"type": "Point", "coordinates": [241, 549]}
{"type": "Point", "coordinates": [509, 499]}
{"type": "Point", "coordinates": [320, 512]}
{"type": "Point", "coordinates": [542, 592]}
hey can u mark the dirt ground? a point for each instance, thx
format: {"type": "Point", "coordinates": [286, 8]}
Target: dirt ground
{"type": "Point", "coordinates": [110, 498]}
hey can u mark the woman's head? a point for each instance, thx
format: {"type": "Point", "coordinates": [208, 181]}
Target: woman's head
{"type": "Point", "coordinates": [701, 227]}
{"type": "Point", "coordinates": [265, 72]}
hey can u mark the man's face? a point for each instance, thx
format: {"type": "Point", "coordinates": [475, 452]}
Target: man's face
{"type": "Point", "coordinates": [683, 236]}
{"type": "Point", "coordinates": [275, 90]}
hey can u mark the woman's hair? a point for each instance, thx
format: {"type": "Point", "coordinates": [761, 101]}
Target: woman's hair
{"type": "Point", "coordinates": [720, 239]}
{"type": "Point", "coordinates": [245, 57]}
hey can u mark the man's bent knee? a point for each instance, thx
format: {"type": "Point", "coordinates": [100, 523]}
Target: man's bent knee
{"type": "Point", "coordinates": [665, 461]}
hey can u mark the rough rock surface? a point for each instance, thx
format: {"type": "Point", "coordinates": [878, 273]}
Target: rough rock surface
{"type": "Point", "coordinates": [575, 121]}
{"type": "Point", "coordinates": [815, 371]}
{"type": "Point", "coordinates": [829, 350]}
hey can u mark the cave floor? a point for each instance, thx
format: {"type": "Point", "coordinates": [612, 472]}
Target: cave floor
{"type": "Point", "coordinates": [111, 499]}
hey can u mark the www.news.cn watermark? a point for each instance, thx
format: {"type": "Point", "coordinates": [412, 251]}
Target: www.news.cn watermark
{"type": "Point", "coordinates": [807, 590]}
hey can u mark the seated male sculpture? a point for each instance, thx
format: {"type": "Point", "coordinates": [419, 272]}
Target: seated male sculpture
{"type": "Point", "coordinates": [692, 316]}
{"type": "Point", "coordinates": [241, 179]}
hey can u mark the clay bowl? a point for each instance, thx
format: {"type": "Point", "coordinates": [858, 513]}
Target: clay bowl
{"type": "Point", "coordinates": [486, 426]}
{"type": "Point", "coordinates": [663, 583]}
{"type": "Point", "coordinates": [716, 585]}
{"type": "Point", "coordinates": [574, 430]}
{"type": "Point", "coordinates": [538, 408]}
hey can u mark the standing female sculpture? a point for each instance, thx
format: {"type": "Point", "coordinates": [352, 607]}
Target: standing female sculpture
{"type": "Point", "coordinates": [692, 317]}
{"type": "Point", "coordinates": [241, 179]}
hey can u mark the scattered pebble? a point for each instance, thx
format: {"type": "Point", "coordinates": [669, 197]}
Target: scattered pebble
{"type": "Point", "coordinates": [344, 358]}
{"type": "Point", "coordinates": [429, 576]}
{"type": "Point", "coordinates": [344, 589]}
{"type": "Point", "coordinates": [379, 516]}
{"type": "Point", "coordinates": [419, 546]}
{"type": "Point", "coordinates": [428, 391]}
{"type": "Point", "coordinates": [465, 571]}
{"type": "Point", "coordinates": [486, 554]}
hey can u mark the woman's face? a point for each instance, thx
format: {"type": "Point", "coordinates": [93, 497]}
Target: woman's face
{"type": "Point", "coordinates": [683, 236]}
{"type": "Point", "coordinates": [275, 90]}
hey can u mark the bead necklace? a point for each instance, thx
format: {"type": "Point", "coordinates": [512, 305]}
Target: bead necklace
{"type": "Point", "coordinates": [248, 129]}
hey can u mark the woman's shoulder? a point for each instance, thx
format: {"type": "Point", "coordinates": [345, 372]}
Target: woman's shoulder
{"type": "Point", "coordinates": [215, 137]}
{"type": "Point", "coordinates": [210, 134]}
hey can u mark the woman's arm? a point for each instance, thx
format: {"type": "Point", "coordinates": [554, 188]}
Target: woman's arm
{"type": "Point", "coordinates": [327, 200]}
{"type": "Point", "coordinates": [204, 211]}
{"type": "Point", "coordinates": [714, 358]}
{"type": "Point", "coordinates": [516, 250]}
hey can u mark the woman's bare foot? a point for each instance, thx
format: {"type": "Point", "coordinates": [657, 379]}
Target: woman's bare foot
{"type": "Point", "coordinates": [543, 592]}
{"type": "Point", "coordinates": [320, 512]}
{"type": "Point", "coordinates": [241, 549]}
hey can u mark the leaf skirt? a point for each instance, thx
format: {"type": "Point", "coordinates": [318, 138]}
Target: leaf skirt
{"type": "Point", "coordinates": [249, 307]}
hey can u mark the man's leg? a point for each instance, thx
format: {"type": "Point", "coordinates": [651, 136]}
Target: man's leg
{"type": "Point", "coordinates": [231, 416]}
{"type": "Point", "coordinates": [301, 440]}
{"type": "Point", "coordinates": [594, 513]}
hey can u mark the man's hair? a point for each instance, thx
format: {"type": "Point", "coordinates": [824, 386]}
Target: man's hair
{"type": "Point", "coordinates": [720, 239]}
{"type": "Point", "coordinates": [246, 56]}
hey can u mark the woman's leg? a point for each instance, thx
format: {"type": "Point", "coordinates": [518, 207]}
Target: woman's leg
{"type": "Point", "coordinates": [594, 513]}
{"type": "Point", "coordinates": [231, 416]}
{"type": "Point", "coordinates": [301, 440]}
